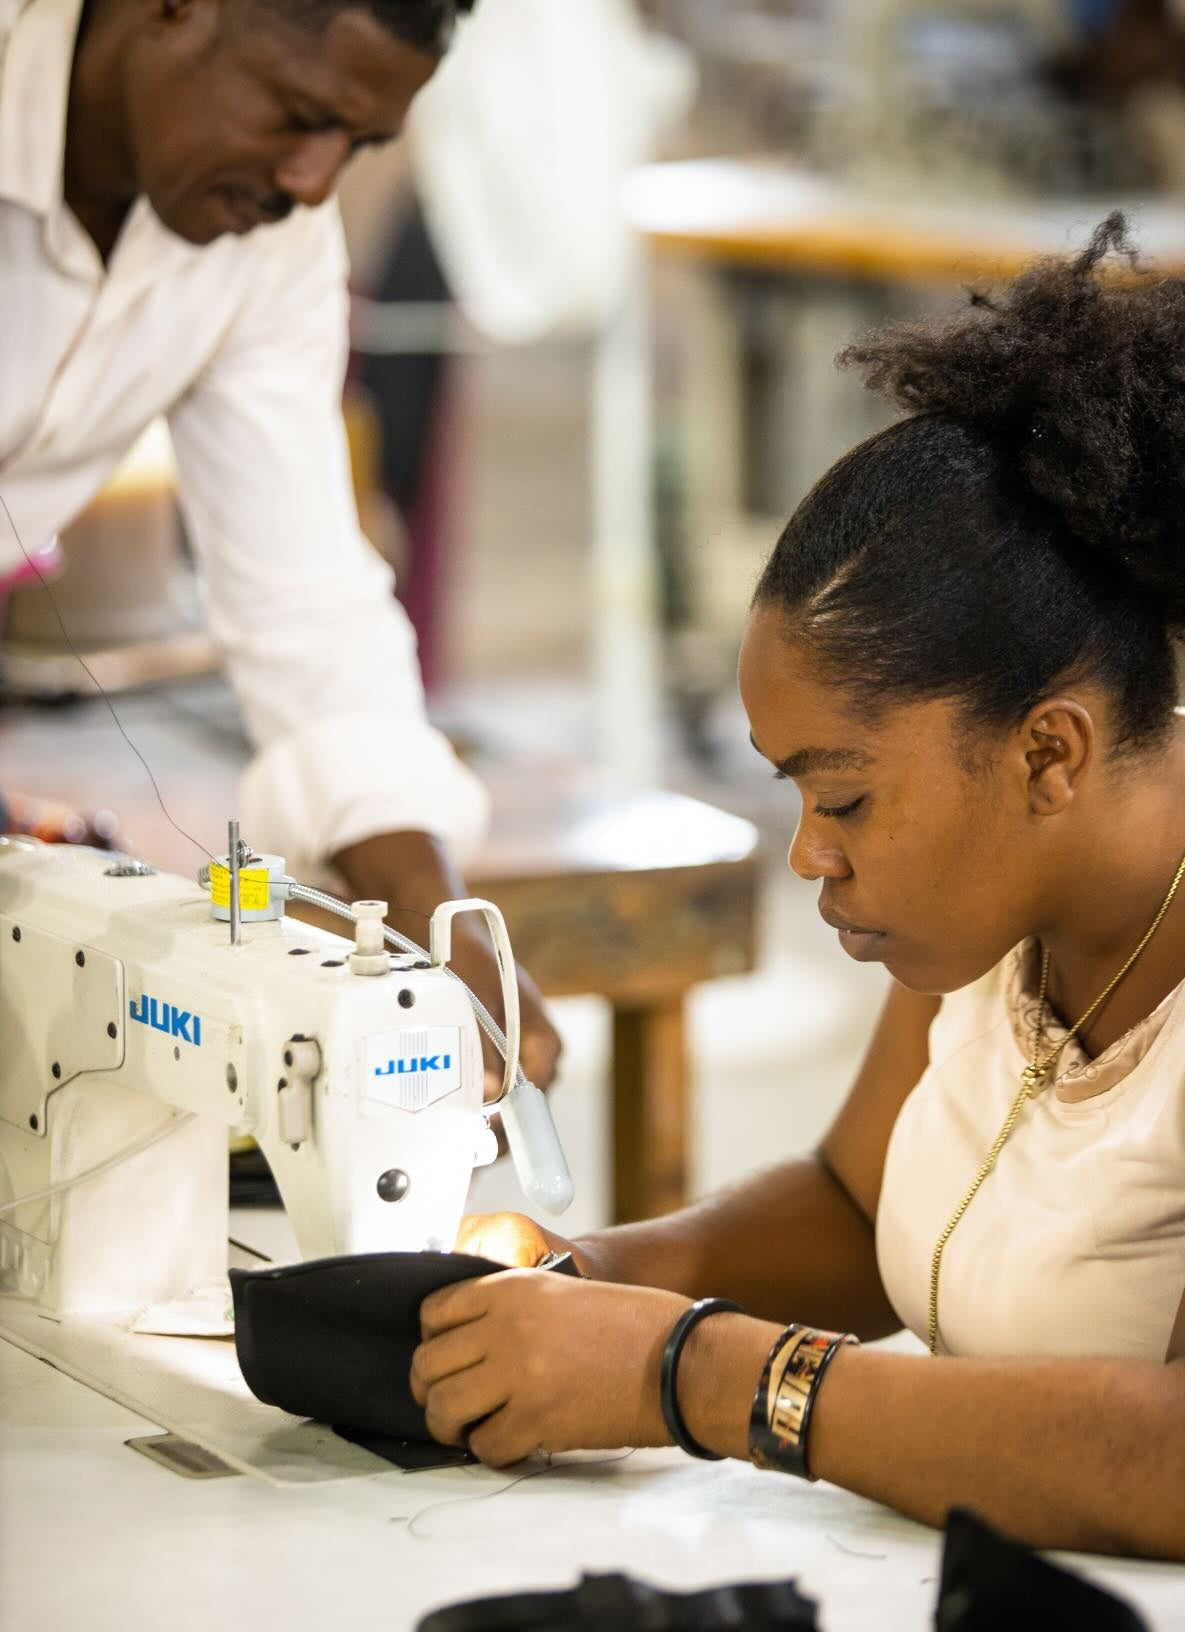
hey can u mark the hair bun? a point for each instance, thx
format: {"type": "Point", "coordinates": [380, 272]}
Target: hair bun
{"type": "Point", "coordinates": [1079, 375]}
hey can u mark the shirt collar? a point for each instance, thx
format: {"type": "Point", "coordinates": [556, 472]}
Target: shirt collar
{"type": "Point", "coordinates": [34, 93]}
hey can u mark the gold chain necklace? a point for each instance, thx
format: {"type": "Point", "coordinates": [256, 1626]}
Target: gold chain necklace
{"type": "Point", "coordinates": [1031, 1079]}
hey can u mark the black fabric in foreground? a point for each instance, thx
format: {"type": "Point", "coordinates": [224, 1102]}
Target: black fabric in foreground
{"type": "Point", "coordinates": [990, 1583]}
{"type": "Point", "coordinates": [616, 1603]}
{"type": "Point", "coordinates": [333, 1339]}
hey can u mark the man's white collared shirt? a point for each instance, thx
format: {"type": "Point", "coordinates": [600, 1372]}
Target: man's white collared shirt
{"type": "Point", "coordinates": [241, 345]}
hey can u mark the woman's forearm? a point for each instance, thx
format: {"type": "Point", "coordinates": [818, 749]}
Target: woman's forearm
{"type": "Point", "coordinates": [1084, 1454]}
{"type": "Point", "coordinates": [787, 1242]}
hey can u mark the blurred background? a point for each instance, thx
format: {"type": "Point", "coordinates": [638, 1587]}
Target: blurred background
{"type": "Point", "coordinates": [598, 296]}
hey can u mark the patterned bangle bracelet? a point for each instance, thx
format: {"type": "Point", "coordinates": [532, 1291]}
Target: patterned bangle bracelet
{"type": "Point", "coordinates": [781, 1416]}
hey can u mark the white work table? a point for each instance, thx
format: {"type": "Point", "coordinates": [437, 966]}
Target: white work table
{"type": "Point", "coordinates": [95, 1536]}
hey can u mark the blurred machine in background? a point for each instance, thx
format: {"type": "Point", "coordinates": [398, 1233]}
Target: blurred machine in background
{"type": "Point", "coordinates": [849, 163]}
{"type": "Point", "coordinates": [961, 97]}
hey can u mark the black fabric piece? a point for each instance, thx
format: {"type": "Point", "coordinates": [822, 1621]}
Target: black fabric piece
{"type": "Point", "coordinates": [412, 1455]}
{"type": "Point", "coordinates": [616, 1603]}
{"type": "Point", "coordinates": [990, 1583]}
{"type": "Point", "coordinates": [333, 1339]}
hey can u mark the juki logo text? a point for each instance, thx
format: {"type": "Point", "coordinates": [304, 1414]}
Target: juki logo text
{"type": "Point", "coordinates": [411, 1067]}
{"type": "Point", "coordinates": [182, 1024]}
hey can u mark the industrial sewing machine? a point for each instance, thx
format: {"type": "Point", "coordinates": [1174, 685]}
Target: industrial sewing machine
{"type": "Point", "coordinates": [142, 1016]}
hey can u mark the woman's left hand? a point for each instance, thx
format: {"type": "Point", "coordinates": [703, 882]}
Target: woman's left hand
{"type": "Point", "coordinates": [543, 1362]}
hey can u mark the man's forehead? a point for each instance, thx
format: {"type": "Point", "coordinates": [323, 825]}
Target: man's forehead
{"type": "Point", "coordinates": [348, 64]}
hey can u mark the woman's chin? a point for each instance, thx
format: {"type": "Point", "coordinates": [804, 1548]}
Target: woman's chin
{"type": "Point", "coordinates": [929, 977]}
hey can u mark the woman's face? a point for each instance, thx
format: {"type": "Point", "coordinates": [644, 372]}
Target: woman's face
{"type": "Point", "coordinates": [927, 866]}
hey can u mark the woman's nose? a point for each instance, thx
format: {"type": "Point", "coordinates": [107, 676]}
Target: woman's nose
{"type": "Point", "coordinates": [813, 854]}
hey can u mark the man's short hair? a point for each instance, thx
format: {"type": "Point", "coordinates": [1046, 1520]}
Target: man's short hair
{"type": "Point", "coordinates": [425, 24]}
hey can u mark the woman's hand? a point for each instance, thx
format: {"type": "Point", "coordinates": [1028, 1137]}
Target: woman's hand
{"type": "Point", "coordinates": [522, 1361]}
{"type": "Point", "coordinates": [511, 1238]}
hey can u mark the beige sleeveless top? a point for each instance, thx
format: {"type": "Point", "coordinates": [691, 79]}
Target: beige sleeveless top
{"type": "Point", "coordinates": [1075, 1245]}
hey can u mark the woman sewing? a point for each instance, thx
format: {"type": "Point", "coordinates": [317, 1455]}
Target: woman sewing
{"type": "Point", "coordinates": [962, 652]}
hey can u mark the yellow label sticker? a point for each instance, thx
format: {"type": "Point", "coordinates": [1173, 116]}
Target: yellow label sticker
{"type": "Point", "coordinates": [254, 893]}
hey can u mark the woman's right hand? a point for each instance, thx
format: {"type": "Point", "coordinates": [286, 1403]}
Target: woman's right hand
{"type": "Point", "coordinates": [513, 1239]}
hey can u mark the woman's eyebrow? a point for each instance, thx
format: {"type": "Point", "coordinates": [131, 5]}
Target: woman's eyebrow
{"type": "Point", "coordinates": [807, 761]}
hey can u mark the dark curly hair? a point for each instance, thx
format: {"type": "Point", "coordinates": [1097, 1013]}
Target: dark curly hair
{"type": "Point", "coordinates": [1025, 524]}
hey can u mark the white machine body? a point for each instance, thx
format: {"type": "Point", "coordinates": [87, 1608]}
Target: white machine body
{"type": "Point", "coordinates": [124, 1005]}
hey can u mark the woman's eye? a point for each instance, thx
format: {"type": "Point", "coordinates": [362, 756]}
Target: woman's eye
{"type": "Point", "coordinates": [828, 810]}
{"type": "Point", "coordinates": [840, 810]}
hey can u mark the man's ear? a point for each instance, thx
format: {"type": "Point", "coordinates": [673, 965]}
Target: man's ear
{"type": "Point", "coordinates": [1058, 743]}
{"type": "Point", "coordinates": [166, 12]}
{"type": "Point", "coordinates": [190, 24]}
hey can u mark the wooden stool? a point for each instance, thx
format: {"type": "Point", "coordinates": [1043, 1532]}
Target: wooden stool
{"type": "Point", "coordinates": [634, 897]}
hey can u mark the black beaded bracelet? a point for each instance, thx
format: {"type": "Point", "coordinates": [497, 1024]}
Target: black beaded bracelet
{"type": "Point", "coordinates": [684, 1326]}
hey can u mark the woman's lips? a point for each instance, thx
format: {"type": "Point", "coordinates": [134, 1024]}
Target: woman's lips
{"type": "Point", "coordinates": [862, 944]}
{"type": "Point", "coordinates": [857, 941]}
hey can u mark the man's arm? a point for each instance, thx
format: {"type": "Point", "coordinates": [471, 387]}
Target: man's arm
{"type": "Point", "coordinates": [347, 768]}
{"type": "Point", "coordinates": [321, 654]}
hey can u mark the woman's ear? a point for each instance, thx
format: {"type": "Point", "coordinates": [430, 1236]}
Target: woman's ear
{"type": "Point", "coordinates": [1058, 739]}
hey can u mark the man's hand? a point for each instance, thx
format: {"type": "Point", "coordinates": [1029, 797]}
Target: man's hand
{"type": "Point", "coordinates": [526, 1361]}
{"type": "Point", "coordinates": [539, 1043]}
{"type": "Point", "coordinates": [413, 874]}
